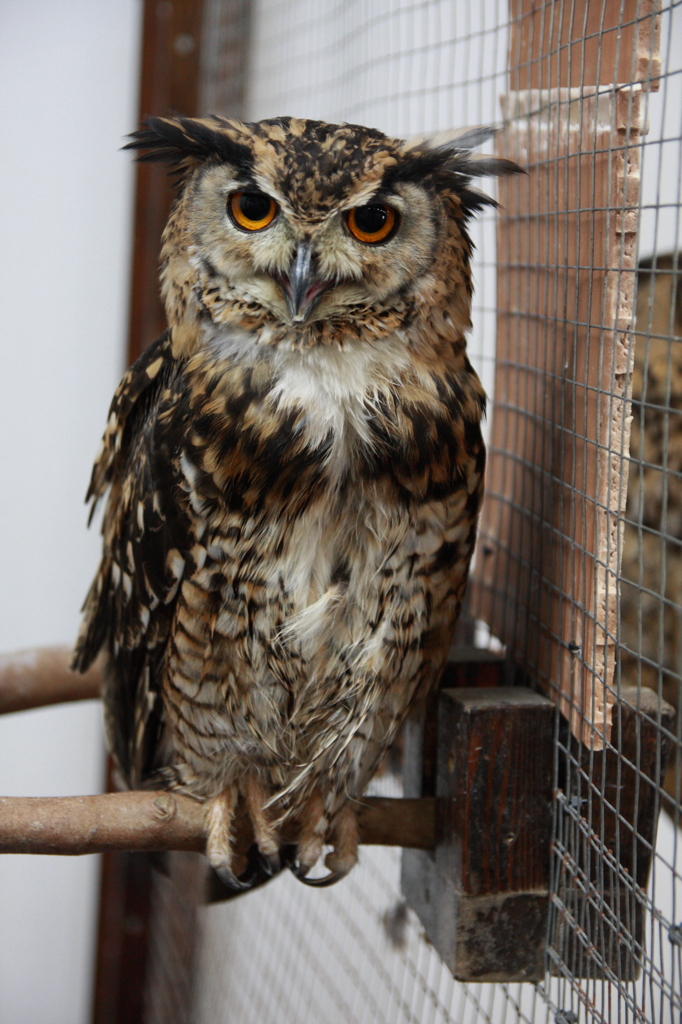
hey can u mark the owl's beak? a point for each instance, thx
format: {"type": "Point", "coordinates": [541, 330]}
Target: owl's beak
{"type": "Point", "coordinates": [302, 290]}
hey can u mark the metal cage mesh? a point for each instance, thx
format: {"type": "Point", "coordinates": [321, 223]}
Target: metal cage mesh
{"type": "Point", "coordinates": [354, 953]}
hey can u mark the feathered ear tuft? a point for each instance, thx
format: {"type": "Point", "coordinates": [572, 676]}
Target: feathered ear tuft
{"type": "Point", "coordinates": [460, 139]}
{"type": "Point", "coordinates": [183, 142]}
{"type": "Point", "coordinates": [448, 158]}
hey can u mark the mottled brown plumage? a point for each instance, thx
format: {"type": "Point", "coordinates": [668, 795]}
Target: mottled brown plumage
{"type": "Point", "coordinates": [651, 584]}
{"type": "Point", "coordinates": [295, 471]}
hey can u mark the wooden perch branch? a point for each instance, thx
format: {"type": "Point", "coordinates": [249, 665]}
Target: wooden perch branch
{"type": "Point", "coordinates": [41, 676]}
{"type": "Point", "coordinates": [167, 821]}
{"type": "Point", "coordinates": [91, 824]}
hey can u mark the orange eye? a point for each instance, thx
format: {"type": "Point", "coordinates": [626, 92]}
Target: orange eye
{"type": "Point", "coordinates": [373, 223]}
{"type": "Point", "coordinates": [251, 211]}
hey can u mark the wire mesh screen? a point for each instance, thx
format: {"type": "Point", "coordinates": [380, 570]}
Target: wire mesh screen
{"type": "Point", "coordinates": [578, 339]}
{"type": "Point", "coordinates": [353, 953]}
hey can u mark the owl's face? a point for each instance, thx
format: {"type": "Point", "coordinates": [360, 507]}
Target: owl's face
{"type": "Point", "coordinates": [301, 222]}
{"type": "Point", "coordinates": [305, 262]}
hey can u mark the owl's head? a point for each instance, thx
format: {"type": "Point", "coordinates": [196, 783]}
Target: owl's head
{"type": "Point", "coordinates": [312, 232]}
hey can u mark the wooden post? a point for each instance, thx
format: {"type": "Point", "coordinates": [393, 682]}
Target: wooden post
{"type": "Point", "coordinates": [169, 84]}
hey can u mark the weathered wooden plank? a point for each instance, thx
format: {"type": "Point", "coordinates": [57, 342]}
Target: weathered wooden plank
{"type": "Point", "coordinates": [477, 894]}
{"type": "Point", "coordinates": [546, 576]}
{"type": "Point", "coordinates": [607, 834]}
{"type": "Point", "coordinates": [483, 895]}
{"type": "Point", "coordinates": [494, 783]}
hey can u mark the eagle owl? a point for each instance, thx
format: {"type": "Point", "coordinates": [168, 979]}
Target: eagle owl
{"type": "Point", "coordinates": [651, 583]}
{"type": "Point", "coordinates": [294, 473]}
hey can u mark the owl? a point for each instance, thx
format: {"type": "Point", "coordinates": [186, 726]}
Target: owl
{"type": "Point", "coordinates": [294, 471]}
{"type": "Point", "coordinates": [651, 583]}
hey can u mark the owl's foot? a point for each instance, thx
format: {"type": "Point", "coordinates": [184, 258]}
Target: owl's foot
{"type": "Point", "coordinates": [219, 820]}
{"type": "Point", "coordinates": [344, 855]}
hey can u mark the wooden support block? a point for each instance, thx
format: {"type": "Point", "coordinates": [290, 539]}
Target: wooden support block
{"type": "Point", "coordinates": [467, 666]}
{"type": "Point", "coordinates": [473, 666]}
{"type": "Point", "coordinates": [609, 806]}
{"type": "Point", "coordinates": [483, 895]}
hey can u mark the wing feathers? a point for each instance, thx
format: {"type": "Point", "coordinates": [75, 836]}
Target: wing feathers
{"type": "Point", "coordinates": [148, 533]}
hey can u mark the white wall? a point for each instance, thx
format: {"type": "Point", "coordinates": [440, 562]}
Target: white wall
{"type": "Point", "coordinates": [68, 93]}
{"type": "Point", "coordinates": [660, 224]}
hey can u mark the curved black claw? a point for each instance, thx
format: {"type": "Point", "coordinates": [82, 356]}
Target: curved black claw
{"type": "Point", "coordinates": [252, 877]}
{"type": "Point", "coordinates": [228, 878]}
{"type": "Point", "coordinates": [289, 856]}
{"type": "Point", "coordinates": [271, 863]}
{"type": "Point", "coordinates": [321, 883]}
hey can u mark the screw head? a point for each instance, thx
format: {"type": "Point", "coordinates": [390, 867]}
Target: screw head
{"type": "Point", "coordinates": [184, 44]}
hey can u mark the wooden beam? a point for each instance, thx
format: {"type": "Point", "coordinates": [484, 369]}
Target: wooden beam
{"type": "Point", "coordinates": [591, 43]}
{"type": "Point", "coordinates": [487, 756]}
{"type": "Point", "coordinates": [169, 84]}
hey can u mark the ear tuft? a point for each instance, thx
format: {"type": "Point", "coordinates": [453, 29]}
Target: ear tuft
{"type": "Point", "coordinates": [448, 160]}
{"type": "Point", "coordinates": [184, 142]}
{"type": "Point", "coordinates": [455, 139]}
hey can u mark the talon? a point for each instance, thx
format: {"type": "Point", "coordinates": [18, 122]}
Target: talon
{"type": "Point", "coordinates": [299, 868]}
{"type": "Point", "coordinates": [271, 863]}
{"type": "Point", "coordinates": [290, 860]}
{"type": "Point", "coordinates": [321, 883]}
{"type": "Point", "coordinates": [219, 817]}
{"type": "Point", "coordinates": [313, 831]}
{"type": "Point", "coordinates": [264, 831]}
{"type": "Point", "coordinates": [228, 878]}
{"type": "Point", "coordinates": [344, 856]}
